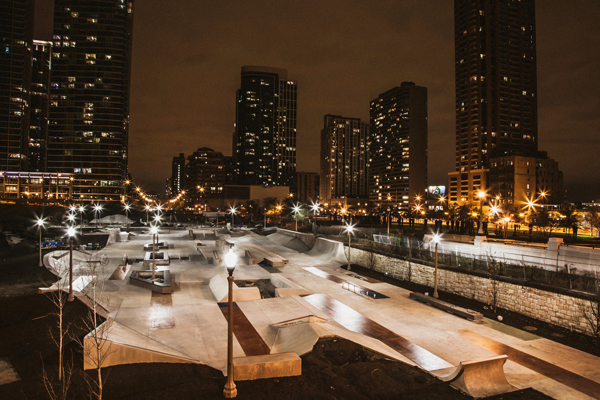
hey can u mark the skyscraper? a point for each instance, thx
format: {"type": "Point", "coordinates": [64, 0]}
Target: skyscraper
{"type": "Point", "coordinates": [40, 104]}
{"type": "Point", "coordinates": [177, 175]}
{"type": "Point", "coordinates": [264, 140]}
{"type": "Point", "coordinates": [205, 176]}
{"type": "Point", "coordinates": [344, 159]}
{"type": "Point", "coordinates": [16, 36]}
{"type": "Point", "coordinates": [89, 108]}
{"type": "Point", "coordinates": [496, 88]}
{"type": "Point", "coordinates": [398, 145]}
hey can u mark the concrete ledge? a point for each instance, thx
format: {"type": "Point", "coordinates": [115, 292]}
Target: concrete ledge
{"type": "Point", "coordinates": [143, 279]}
{"type": "Point", "coordinates": [285, 287]}
{"type": "Point", "coordinates": [266, 366]}
{"type": "Point", "coordinates": [219, 287]}
{"type": "Point", "coordinates": [451, 308]}
{"type": "Point", "coordinates": [249, 258]}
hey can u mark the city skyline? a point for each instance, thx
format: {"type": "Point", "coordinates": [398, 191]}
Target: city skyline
{"type": "Point", "coordinates": [186, 70]}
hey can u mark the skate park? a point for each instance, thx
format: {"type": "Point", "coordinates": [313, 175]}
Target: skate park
{"type": "Point", "coordinates": [312, 298]}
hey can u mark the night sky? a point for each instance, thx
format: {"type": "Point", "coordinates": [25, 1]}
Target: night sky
{"type": "Point", "coordinates": [187, 57]}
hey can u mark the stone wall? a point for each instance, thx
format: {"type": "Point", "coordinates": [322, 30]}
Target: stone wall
{"type": "Point", "coordinates": [558, 309]}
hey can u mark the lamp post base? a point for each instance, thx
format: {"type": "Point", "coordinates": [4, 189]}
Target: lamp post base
{"type": "Point", "coordinates": [230, 393]}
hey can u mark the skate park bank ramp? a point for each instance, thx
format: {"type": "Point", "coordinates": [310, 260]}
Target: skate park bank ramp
{"type": "Point", "coordinates": [329, 250]}
{"type": "Point", "coordinates": [481, 378]}
{"type": "Point", "coordinates": [289, 241]}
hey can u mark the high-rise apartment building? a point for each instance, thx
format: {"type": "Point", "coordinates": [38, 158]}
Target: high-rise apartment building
{"type": "Point", "coordinates": [264, 140]}
{"type": "Point", "coordinates": [398, 146]}
{"type": "Point", "coordinates": [16, 37]}
{"type": "Point", "coordinates": [205, 176]}
{"type": "Point", "coordinates": [307, 187]}
{"type": "Point", "coordinates": [344, 159]}
{"type": "Point", "coordinates": [496, 89]}
{"type": "Point", "coordinates": [40, 104]}
{"type": "Point", "coordinates": [89, 104]}
{"type": "Point", "coordinates": [177, 182]}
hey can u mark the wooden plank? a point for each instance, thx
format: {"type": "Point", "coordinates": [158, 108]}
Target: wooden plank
{"type": "Point", "coordinates": [250, 340]}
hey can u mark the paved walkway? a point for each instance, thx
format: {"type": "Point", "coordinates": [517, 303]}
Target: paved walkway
{"type": "Point", "coordinates": [190, 326]}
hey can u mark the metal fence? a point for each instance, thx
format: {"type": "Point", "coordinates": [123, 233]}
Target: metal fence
{"type": "Point", "coordinates": [512, 265]}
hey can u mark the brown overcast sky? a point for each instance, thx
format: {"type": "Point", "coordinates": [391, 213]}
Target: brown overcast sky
{"type": "Point", "coordinates": [187, 56]}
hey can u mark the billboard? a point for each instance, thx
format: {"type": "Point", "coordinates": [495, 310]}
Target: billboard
{"type": "Point", "coordinates": [436, 191]}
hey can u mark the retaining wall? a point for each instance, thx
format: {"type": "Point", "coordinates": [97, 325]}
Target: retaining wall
{"type": "Point", "coordinates": [558, 309]}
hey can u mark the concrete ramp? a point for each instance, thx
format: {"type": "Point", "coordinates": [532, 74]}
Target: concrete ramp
{"type": "Point", "coordinates": [481, 378]}
{"type": "Point", "coordinates": [288, 241]}
{"type": "Point", "coordinates": [296, 335]}
{"type": "Point", "coordinates": [118, 347]}
{"type": "Point", "coordinates": [329, 249]}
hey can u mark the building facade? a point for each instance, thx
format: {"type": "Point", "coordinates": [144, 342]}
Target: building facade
{"type": "Point", "coordinates": [16, 41]}
{"type": "Point", "coordinates": [264, 140]}
{"type": "Point", "coordinates": [41, 63]}
{"type": "Point", "coordinates": [344, 159]}
{"type": "Point", "coordinates": [89, 104]}
{"type": "Point", "coordinates": [307, 187]}
{"type": "Point", "coordinates": [496, 96]}
{"type": "Point", "coordinates": [205, 176]}
{"type": "Point", "coordinates": [398, 146]}
{"type": "Point", "coordinates": [177, 181]}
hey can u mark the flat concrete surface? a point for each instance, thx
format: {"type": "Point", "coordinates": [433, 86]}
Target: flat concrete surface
{"type": "Point", "coordinates": [191, 327]}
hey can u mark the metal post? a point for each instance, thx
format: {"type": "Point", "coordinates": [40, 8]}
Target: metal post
{"type": "Point", "coordinates": [435, 274]}
{"type": "Point", "coordinates": [41, 264]}
{"type": "Point", "coordinates": [70, 298]}
{"type": "Point", "coordinates": [230, 391]}
{"type": "Point", "coordinates": [480, 232]}
{"type": "Point", "coordinates": [349, 248]}
{"type": "Point", "coordinates": [153, 258]}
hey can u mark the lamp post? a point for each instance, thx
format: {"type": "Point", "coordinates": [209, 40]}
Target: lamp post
{"type": "Point", "coordinates": [127, 207]}
{"type": "Point", "coordinates": [349, 229]}
{"type": "Point", "coordinates": [40, 224]}
{"type": "Point", "coordinates": [154, 231]}
{"type": "Point", "coordinates": [147, 209]}
{"type": "Point", "coordinates": [232, 211]}
{"type": "Point", "coordinates": [97, 209]}
{"type": "Point", "coordinates": [81, 208]}
{"type": "Point", "coordinates": [436, 240]}
{"type": "Point", "coordinates": [296, 211]}
{"type": "Point", "coordinates": [230, 391]}
{"type": "Point", "coordinates": [506, 220]}
{"type": "Point", "coordinates": [388, 221]}
{"type": "Point", "coordinates": [71, 232]}
{"type": "Point", "coordinates": [279, 212]}
{"type": "Point", "coordinates": [265, 215]}
{"type": "Point", "coordinates": [481, 195]}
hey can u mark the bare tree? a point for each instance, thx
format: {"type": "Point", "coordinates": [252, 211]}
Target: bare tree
{"type": "Point", "coordinates": [371, 255]}
{"type": "Point", "coordinates": [96, 347]}
{"type": "Point", "coordinates": [58, 332]}
{"type": "Point", "coordinates": [591, 311]}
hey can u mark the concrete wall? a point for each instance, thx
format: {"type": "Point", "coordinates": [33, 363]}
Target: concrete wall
{"type": "Point", "coordinates": [558, 309]}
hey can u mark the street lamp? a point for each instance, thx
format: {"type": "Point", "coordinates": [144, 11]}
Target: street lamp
{"type": "Point", "coordinates": [279, 212]}
{"type": "Point", "coordinates": [232, 211]}
{"type": "Point", "coordinates": [230, 391]}
{"type": "Point", "coordinates": [481, 195]}
{"type": "Point", "coordinates": [296, 211]}
{"type": "Point", "coordinates": [388, 221]}
{"type": "Point", "coordinates": [506, 221]}
{"type": "Point", "coordinates": [97, 209]}
{"type": "Point", "coordinates": [349, 229]}
{"type": "Point", "coordinates": [71, 233]}
{"type": "Point", "coordinates": [127, 207]}
{"type": "Point", "coordinates": [147, 209]}
{"type": "Point", "coordinates": [154, 231]}
{"type": "Point", "coordinates": [40, 224]}
{"type": "Point", "coordinates": [436, 240]}
{"type": "Point", "coordinates": [71, 219]}
{"type": "Point", "coordinates": [156, 225]}
{"type": "Point", "coordinates": [81, 209]}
